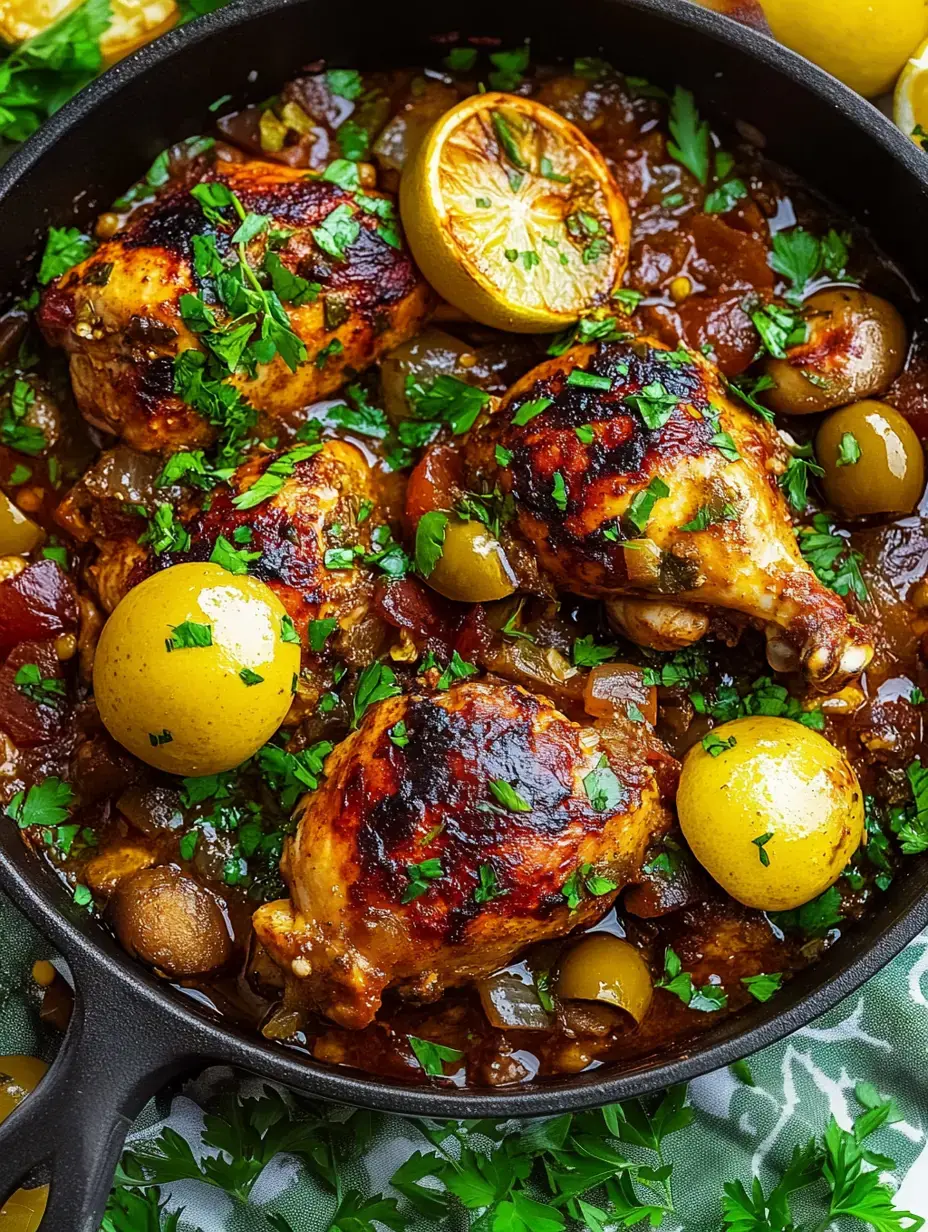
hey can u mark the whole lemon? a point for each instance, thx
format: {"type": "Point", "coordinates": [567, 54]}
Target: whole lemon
{"type": "Point", "coordinates": [863, 42]}
{"type": "Point", "coordinates": [771, 810]}
{"type": "Point", "coordinates": [195, 669]}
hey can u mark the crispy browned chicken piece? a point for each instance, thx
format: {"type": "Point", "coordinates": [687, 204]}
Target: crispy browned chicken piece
{"type": "Point", "coordinates": [316, 508]}
{"type": "Point", "coordinates": [118, 312]}
{"type": "Point", "coordinates": [669, 493]}
{"type": "Point", "coordinates": [427, 864]}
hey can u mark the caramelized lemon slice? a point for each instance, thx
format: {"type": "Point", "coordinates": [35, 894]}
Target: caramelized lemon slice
{"type": "Point", "coordinates": [513, 216]}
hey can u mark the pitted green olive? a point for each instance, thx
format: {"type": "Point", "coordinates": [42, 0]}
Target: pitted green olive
{"type": "Point", "coordinates": [472, 567]}
{"type": "Point", "coordinates": [601, 967]}
{"type": "Point", "coordinates": [855, 348]}
{"type": "Point", "coordinates": [872, 459]}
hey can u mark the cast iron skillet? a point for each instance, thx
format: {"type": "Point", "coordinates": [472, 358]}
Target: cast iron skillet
{"type": "Point", "coordinates": [130, 1032]}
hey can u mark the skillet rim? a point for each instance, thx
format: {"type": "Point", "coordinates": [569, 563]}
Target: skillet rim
{"type": "Point", "coordinates": [94, 953]}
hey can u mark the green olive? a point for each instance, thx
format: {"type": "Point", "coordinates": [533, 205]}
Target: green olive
{"type": "Point", "coordinates": [872, 459]}
{"type": "Point", "coordinates": [601, 967]}
{"type": "Point", "coordinates": [472, 567]}
{"type": "Point", "coordinates": [855, 348]}
{"type": "Point", "coordinates": [18, 534]}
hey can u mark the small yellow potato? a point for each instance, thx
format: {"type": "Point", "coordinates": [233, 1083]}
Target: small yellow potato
{"type": "Point", "coordinates": [771, 810]}
{"type": "Point", "coordinates": [192, 673]}
{"type": "Point", "coordinates": [872, 459]}
{"type": "Point", "coordinates": [601, 967]}
{"type": "Point", "coordinates": [171, 922]}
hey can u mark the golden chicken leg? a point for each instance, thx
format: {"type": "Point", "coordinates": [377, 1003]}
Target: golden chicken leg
{"type": "Point", "coordinates": [634, 474]}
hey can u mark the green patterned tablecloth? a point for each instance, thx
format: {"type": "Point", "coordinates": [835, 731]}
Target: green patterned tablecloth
{"type": "Point", "coordinates": [877, 1036]}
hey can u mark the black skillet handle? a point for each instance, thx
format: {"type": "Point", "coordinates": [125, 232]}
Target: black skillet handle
{"type": "Point", "coordinates": [71, 1128]}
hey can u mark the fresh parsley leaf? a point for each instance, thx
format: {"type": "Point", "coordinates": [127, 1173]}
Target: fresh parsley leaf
{"type": "Point", "coordinates": [235, 560]}
{"type": "Point", "coordinates": [345, 82]}
{"type": "Point", "coordinates": [762, 987]}
{"type": "Point", "coordinates": [815, 918]}
{"type": "Point", "coordinates": [375, 684]}
{"type": "Point", "coordinates": [320, 631]}
{"type": "Point", "coordinates": [603, 789]}
{"type": "Point", "coordinates": [164, 532]}
{"type": "Point", "coordinates": [508, 797]}
{"type": "Point", "coordinates": [711, 515]}
{"type": "Point", "coordinates": [690, 135]}
{"type": "Point", "coordinates": [725, 197]}
{"type": "Point", "coordinates": [432, 1057]}
{"type": "Point", "coordinates": [586, 652]}
{"type": "Point", "coordinates": [430, 540]}
{"type": "Point", "coordinates": [795, 479]}
{"type": "Point", "coordinates": [779, 328]}
{"type": "Point", "coordinates": [715, 745]}
{"type": "Point", "coordinates": [831, 558]}
{"type": "Point", "coordinates": [337, 232]}
{"type": "Point", "coordinates": [420, 875]}
{"type": "Point", "coordinates": [189, 635]}
{"type": "Point", "coordinates": [489, 887]}
{"type": "Point", "coordinates": [271, 480]}
{"type": "Point", "coordinates": [654, 403]}
{"type": "Point", "coordinates": [848, 450]}
{"type": "Point", "coordinates": [44, 691]}
{"type": "Point", "coordinates": [43, 804]}
{"type": "Point", "coordinates": [528, 410]}
{"type": "Point", "coordinates": [642, 503]}
{"type": "Point", "coordinates": [65, 247]}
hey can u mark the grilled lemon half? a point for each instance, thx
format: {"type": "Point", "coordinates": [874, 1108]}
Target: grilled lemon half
{"type": "Point", "coordinates": [513, 215]}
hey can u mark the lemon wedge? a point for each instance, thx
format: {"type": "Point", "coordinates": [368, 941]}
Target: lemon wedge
{"type": "Point", "coordinates": [910, 102]}
{"type": "Point", "coordinates": [513, 216]}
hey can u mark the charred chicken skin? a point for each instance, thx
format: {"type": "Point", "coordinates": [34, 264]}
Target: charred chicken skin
{"type": "Point", "coordinates": [634, 475]}
{"type": "Point", "coordinates": [425, 865]}
{"type": "Point", "coordinates": [121, 313]}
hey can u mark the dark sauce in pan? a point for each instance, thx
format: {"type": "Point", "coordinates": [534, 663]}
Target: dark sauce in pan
{"type": "Point", "coordinates": [696, 272]}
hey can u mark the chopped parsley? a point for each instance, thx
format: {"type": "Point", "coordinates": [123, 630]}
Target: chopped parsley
{"type": "Point", "coordinates": [795, 479]}
{"type": "Point", "coordinates": [709, 998]}
{"type": "Point", "coordinates": [690, 135]}
{"type": "Point", "coordinates": [603, 789]}
{"type": "Point", "coordinates": [762, 987]}
{"type": "Point", "coordinates": [559, 492]}
{"type": "Point", "coordinates": [711, 515]}
{"type": "Point", "coordinates": [642, 503]}
{"type": "Point", "coordinates": [44, 691]}
{"type": "Point", "coordinates": [420, 876]}
{"type": "Point", "coordinates": [430, 540]}
{"type": "Point", "coordinates": [375, 684]}
{"type": "Point", "coordinates": [528, 410]}
{"type": "Point", "coordinates": [14, 431]}
{"type": "Point", "coordinates": [848, 450]}
{"type": "Point", "coordinates": [589, 380]}
{"type": "Point", "coordinates": [508, 797]}
{"type": "Point", "coordinates": [761, 844]}
{"type": "Point", "coordinates": [654, 403]}
{"type": "Point", "coordinates": [715, 745]}
{"type": "Point", "coordinates": [800, 257]}
{"type": "Point", "coordinates": [249, 678]}
{"type": "Point", "coordinates": [235, 560]}
{"type": "Point", "coordinates": [337, 232]}
{"type": "Point", "coordinates": [64, 248]}
{"type": "Point", "coordinates": [815, 918]}
{"type": "Point", "coordinates": [779, 328]}
{"type": "Point", "coordinates": [586, 652]}
{"type": "Point", "coordinates": [319, 633]}
{"type": "Point", "coordinates": [271, 480]}
{"type": "Point", "coordinates": [398, 734]}
{"type": "Point", "coordinates": [43, 804]}
{"type": "Point", "coordinates": [831, 558]}
{"type": "Point", "coordinates": [585, 879]}
{"type": "Point", "coordinates": [165, 533]}
{"type": "Point", "coordinates": [188, 636]}
{"type": "Point", "coordinates": [156, 739]}
{"type": "Point", "coordinates": [432, 1057]}
{"type": "Point", "coordinates": [446, 400]}
{"type": "Point", "coordinates": [489, 887]}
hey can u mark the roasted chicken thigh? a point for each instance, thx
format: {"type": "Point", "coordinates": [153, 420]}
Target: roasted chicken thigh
{"type": "Point", "coordinates": [634, 474]}
{"type": "Point", "coordinates": [433, 853]}
{"type": "Point", "coordinates": [122, 316]}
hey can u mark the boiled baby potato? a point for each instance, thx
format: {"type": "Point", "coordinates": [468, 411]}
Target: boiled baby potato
{"type": "Point", "coordinates": [855, 348]}
{"type": "Point", "coordinates": [771, 810]}
{"type": "Point", "coordinates": [192, 673]}
{"type": "Point", "coordinates": [600, 967]}
{"type": "Point", "coordinates": [171, 922]}
{"type": "Point", "coordinates": [872, 459]}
